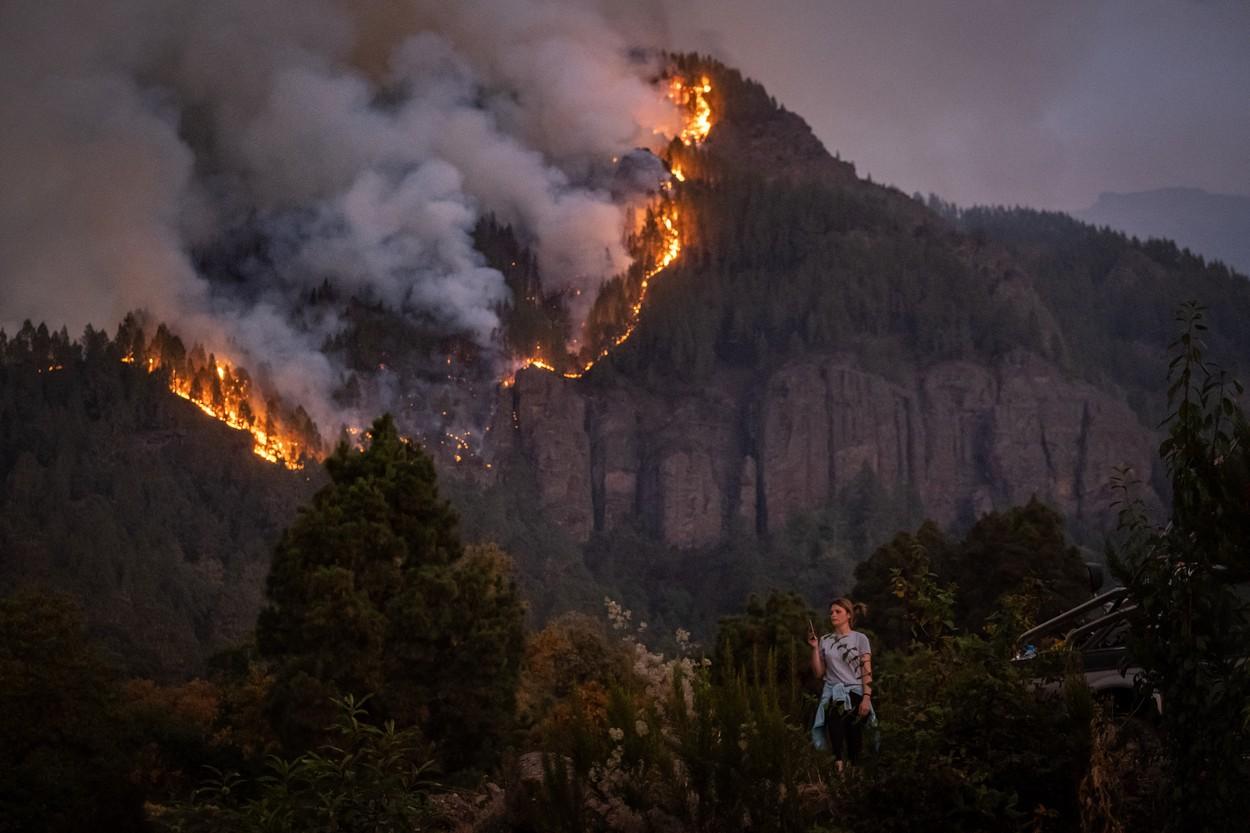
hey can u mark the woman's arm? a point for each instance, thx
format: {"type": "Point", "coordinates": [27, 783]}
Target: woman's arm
{"type": "Point", "coordinates": [818, 661]}
{"type": "Point", "coordinates": [865, 679]}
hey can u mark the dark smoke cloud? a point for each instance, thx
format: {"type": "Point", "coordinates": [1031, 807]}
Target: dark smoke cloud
{"type": "Point", "coordinates": [988, 101]}
{"type": "Point", "coordinates": [363, 139]}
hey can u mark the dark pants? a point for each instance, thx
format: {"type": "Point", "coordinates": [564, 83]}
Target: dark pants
{"type": "Point", "coordinates": [846, 730]}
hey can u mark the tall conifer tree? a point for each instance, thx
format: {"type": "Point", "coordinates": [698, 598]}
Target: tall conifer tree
{"type": "Point", "coordinates": [371, 592]}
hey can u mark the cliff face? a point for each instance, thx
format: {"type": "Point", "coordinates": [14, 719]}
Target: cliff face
{"type": "Point", "coordinates": [746, 455]}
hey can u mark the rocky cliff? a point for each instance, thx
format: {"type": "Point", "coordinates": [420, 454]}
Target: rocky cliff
{"type": "Point", "coordinates": [746, 454]}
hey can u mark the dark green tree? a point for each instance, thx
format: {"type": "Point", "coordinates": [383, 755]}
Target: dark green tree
{"type": "Point", "coordinates": [897, 582]}
{"type": "Point", "coordinates": [770, 636]}
{"type": "Point", "coordinates": [64, 750]}
{"type": "Point", "coordinates": [1006, 551]}
{"type": "Point", "coordinates": [1191, 626]}
{"type": "Point", "coordinates": [370, 591]}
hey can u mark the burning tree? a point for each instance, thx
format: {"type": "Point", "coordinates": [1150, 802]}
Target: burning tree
{"type": "Point", "coordinates": [370, 591]}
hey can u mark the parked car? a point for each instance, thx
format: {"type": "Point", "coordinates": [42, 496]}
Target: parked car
{"type": "Point", "coordinates": [1097, 632]}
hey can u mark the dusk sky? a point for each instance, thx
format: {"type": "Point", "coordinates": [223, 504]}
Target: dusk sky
{"type": "Point", "coordinates": [1044, 104]}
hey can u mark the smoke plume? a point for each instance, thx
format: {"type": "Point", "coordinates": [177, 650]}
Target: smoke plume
{"type": "Point", "coordinates": [363, 140]}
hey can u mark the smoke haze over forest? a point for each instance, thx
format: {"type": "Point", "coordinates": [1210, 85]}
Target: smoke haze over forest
{"type": "Point", "coordinates": [361, 142]}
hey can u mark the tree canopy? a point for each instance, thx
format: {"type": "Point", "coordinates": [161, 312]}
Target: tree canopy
{"type": "Point", "coordinates": [370, 591]}
{"type": "Point", "coordinates": [1022, 549]}
{"type": "Point", "coordinates": [64, 750]}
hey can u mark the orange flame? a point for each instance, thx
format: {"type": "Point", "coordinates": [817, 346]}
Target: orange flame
{"type": "Point", "coordinates": [234, 403]}
{"type": "Point", "coordinates": [692, 97]}
{"type": "Point", "coordinates": [670, 250]}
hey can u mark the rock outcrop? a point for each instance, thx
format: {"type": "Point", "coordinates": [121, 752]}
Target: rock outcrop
{"type": "Point", "coordinates": [749, 454]}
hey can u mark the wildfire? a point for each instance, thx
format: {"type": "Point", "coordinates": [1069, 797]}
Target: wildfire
{"type": "Point", "coordinates": [229, 398]}
{"type": "Point", "coordinates": [669, 252]}
{"type": "Point", "coordinates": [693, 98]}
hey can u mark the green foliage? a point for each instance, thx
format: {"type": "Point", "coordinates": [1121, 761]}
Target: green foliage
{"type": "Point", "coordinates": [371, 590]}
{"type": "Point", "coordinates": [65, 754]}
{"type": "Point", "coordinates": [743, 756]}
{"type": "Point", "coordinates": [912, 583]}
{"type": "Point", "coordinates": [1190, 626]}
{"type": "Point", "coordinates": [571, 652]}
{"type": "Point", "coordinates": [371, 778]}
{"type": "Point", "coordinates": [967, 743]}
{"type": "Point", "coordinates": [906, 600]}
{"type": "Point", "coordinates": [678, 747]}
{"type": "Point", "coordinates": [770, 635]}
{"type": "Point", "coordinates": [180, 732]}
{"type": "Point", "coordinates": [1005, 551]}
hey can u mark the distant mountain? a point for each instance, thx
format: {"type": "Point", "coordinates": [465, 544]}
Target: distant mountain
{"type": "Point", "coordinates": [1216, 226]}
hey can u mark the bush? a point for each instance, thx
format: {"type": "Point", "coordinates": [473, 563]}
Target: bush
{"type": "Point", "coordinates": [372, 780]}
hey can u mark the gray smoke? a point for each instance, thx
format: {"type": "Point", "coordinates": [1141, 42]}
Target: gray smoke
{"type": "Point", "coordinates": [366, 139]}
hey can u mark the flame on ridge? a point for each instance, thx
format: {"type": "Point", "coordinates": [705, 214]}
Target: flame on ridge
{"type": "Point", "coordinates": [230, 401]}
{"type": "Point", "coordinates": [692, 98]}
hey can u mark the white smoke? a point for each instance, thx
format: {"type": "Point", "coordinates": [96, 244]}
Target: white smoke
{"type": "Point", "coordinates": [365, 138]}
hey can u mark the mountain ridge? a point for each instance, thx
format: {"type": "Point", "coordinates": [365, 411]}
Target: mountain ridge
{"type": "Point", "coordinates": [1216, 226]}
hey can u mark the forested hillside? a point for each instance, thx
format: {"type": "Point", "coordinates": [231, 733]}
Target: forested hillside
{"type": "Point", "coordinates": [158, 518]}
{"type": "Point", "coordinates": [1117, 296]}
{"type": "Point", "coordinates": [789, 253]}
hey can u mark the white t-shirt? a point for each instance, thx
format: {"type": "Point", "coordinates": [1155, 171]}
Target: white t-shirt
{"type": "Point", "coordinates": [842, 655]}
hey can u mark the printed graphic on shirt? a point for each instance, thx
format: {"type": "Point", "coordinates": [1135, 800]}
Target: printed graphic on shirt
{"type": "Point", "coordinates": [844, 657]}
{"type": "Point", "coordinates": [847, 651]}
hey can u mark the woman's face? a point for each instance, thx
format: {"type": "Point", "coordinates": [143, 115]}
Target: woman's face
{"type": "Point", "coordinates": [838, 615]}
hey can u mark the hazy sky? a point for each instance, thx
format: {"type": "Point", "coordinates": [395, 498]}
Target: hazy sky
{"type": "Point", "coordinates": [1042, 103]}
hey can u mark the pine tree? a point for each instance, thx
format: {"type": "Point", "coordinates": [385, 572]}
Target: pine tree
{"type": "Point", "coordinates": [370, 592]}
{"type": "Point", "coordinates": [1004, 551]}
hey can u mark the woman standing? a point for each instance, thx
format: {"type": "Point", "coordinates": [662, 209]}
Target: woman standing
{"type": "Point", "coordinates": [843, 659]}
